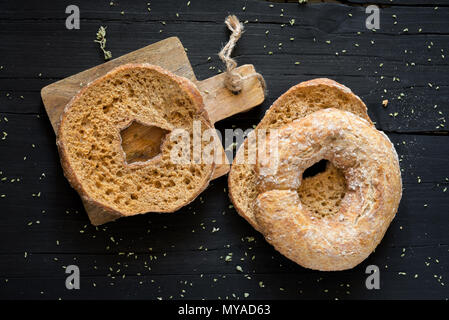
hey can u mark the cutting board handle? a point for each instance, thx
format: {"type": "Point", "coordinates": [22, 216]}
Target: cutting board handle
{"type": "Point", "coordinates": [221, 103]}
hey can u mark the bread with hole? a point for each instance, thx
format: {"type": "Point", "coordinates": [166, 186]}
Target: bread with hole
{"type": "Point", "coordinates": [299, 101]}
{"type": "Point", "coordinates": [370, 164]}
{"type": "Point", "coordinates": [89, 141]}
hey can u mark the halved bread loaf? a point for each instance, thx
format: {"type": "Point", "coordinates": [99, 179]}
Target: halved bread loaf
{"type": "Point", "coordinates": [89, 140]}
{"type": "Point", "coordinates": [299, 101]}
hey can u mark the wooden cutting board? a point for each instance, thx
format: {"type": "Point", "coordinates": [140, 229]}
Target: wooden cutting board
{"type": "Point", "coordinates": [170, 54]}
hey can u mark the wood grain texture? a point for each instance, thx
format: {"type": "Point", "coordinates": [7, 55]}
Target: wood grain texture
{"type": "Point", "coordinates": [155, 255]}
{"type": "Point", "coordinates": [221, 103]}
{"type": "Point", "coordinates": [142, 143]}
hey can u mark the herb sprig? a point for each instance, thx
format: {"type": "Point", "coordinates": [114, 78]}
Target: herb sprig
{"type": "Point", "coordinates": [101, 39]}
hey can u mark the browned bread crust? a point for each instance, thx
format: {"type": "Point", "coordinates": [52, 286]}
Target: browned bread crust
{"type": "Point", "coordinates": [370, 165]}
{"type": "Point", "coordinates": [89, 141]}
{"type": "Point", "coordinates": [299, 101]}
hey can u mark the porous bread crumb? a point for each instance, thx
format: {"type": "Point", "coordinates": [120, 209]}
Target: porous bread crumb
{"type": "Point", "coordinates": [322, 193]}
{"type": "Point", "coordinates": [90, 143]}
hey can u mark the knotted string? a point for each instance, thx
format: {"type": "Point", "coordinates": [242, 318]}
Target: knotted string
{"type": "Point", "coordinates": [234, 81]}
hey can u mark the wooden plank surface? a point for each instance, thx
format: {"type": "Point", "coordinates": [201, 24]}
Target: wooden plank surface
{"type": "Point", "coordinates": [161, 255]}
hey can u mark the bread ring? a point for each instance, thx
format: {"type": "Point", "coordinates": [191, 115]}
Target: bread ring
{"type": "Point", "coordinates": [374, 188]}
{"type": "Point", "coordinates": [89, 141]}
{"type": "Point", "coordinates": [296, 103]}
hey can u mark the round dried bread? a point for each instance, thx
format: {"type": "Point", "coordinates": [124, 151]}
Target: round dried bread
{"type": "Point", "coordinates": [89, 141]}
{"type": "Point", "coordinates": [370, 165]}
{"type": "Point", "coordinates": [299, 101]}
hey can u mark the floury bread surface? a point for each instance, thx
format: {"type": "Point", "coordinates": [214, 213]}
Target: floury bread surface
{"type": "Point", "coordinates": [89, 141]}
{"type": "Point", "coordinates": [337, 240]}
{"type": "Point", "coordinates": [299, 101]}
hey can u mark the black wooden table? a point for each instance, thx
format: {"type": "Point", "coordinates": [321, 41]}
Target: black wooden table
{"type": "Point", "coordinates": [43, 226]}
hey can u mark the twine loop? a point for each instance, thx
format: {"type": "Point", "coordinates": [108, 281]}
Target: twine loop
{"type": "Point", "coordinates": [234, 81]}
